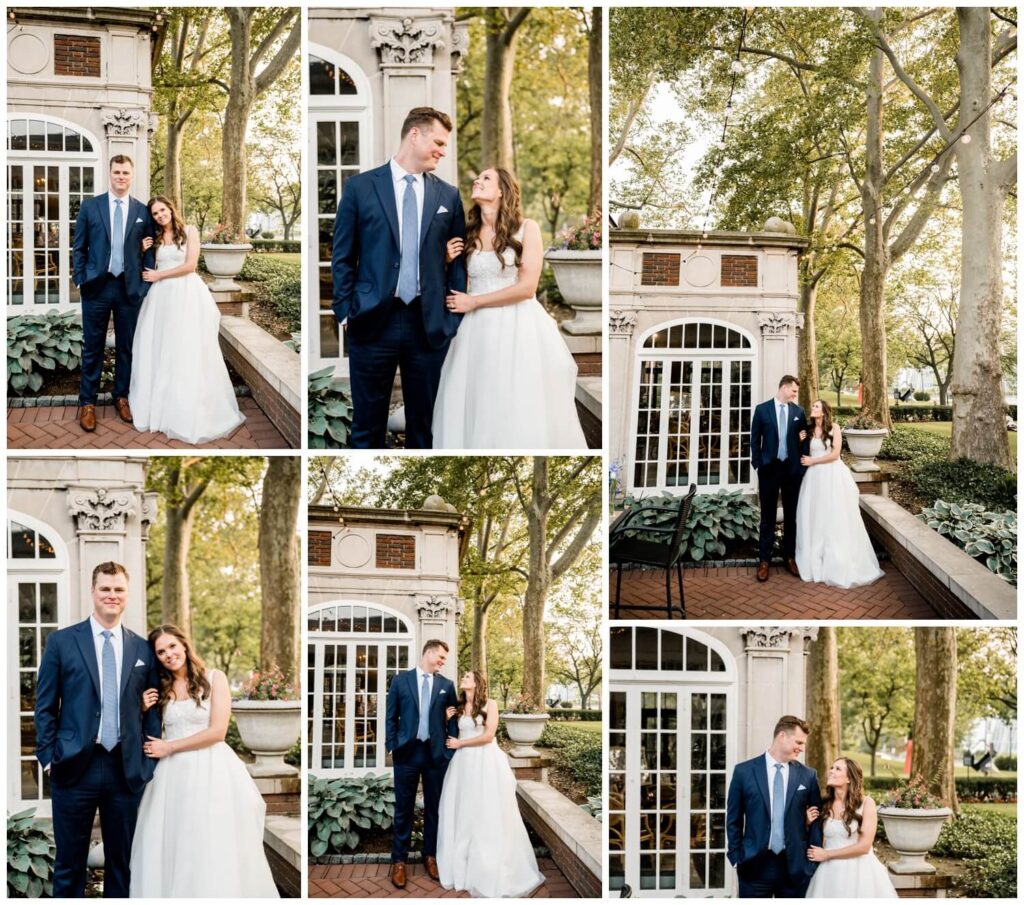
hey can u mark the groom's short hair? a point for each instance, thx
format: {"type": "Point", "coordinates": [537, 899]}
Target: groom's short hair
{"type": "Point", "coordinates": [109, 568]}
{"type": "Point", "coordinates": [435, 642]}
{"type": "Point", "coordinates": [788, 378]}
{"type": "Point", "coordinates": [121, 158]}
{"type": "Point", "coordinates": [789, 725]}
{"type": "Point", "coordinates": [422, 116]}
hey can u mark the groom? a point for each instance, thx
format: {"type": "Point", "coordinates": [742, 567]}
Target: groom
{"type": "Point", "coordinates": [775, 454]}
{"type": "Point", "coordinates": [391, 280]}
{"type": "Point", "coordinates": [416, 733]}
{"type": "Point", "coordinates": [108, 262]}
{"type": "Point", "coordinates": [90, 729]}
{"type": "Point", "coordinates": [766, 817]}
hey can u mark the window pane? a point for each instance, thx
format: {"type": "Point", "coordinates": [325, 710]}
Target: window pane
{"type": "Point", "coordinates": [321, 76]}
{"type": "Point", "coordinates": [349, 144]}
{"type": "Point", "coordinates": [346, 84]}
{"type": "Point", "coordinates": [326, 144]}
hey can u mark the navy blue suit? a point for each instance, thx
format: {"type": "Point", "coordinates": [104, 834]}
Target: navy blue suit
{"type": "Point", "coordinates": [104, 294]}
{"type": "Point", "coordinates": [84, 776]}
{"type": "Point", "coordinates": [774, 474]}
{"type": "Point", "coordinates": [762, 873]}
{"type": "Point", "coordinates": [383, 332]}
{"type": "Point", "coordinates": [414, 760]}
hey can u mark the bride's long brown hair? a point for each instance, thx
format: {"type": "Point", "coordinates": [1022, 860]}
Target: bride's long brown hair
{"type": "Point", "coordinates": [177, 224]}
{"type": "Point", "coordinates": [826, 423]}
{"type": "Point", "coordinates": [506, 224]}
{"type": "Point", "coordinates": [854, 795]}
{"type": "Point", "coordinates": [479, 696]}
{"type": "Point", "coordinates": [199, 687]}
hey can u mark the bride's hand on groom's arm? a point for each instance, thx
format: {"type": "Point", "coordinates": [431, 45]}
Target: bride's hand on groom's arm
{"type": "Point", "coordinates": [147, 243]}
{"type": "Point", "coordinates": [157, 747]}
{"type": "Point", "coordinates": [149, 697]}
{"type": "Point", "coordinates": [452, 742]}
{"type": "Point", "coordinates": [149, 275]}
{"type": "Point", "coordinates": [450, 712]}
{"type": "Point", "coordinates": [453, 250]}
{"type": "Point", "coordinates": [460, 302]}
{"type": "Point", "coordinates": [817, 853]}
{"type": "Point", "coordinates": [806, 461]}
{"type": "Point", "coordinates": [812, 815]}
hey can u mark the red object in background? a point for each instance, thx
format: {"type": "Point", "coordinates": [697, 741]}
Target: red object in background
{"type": "Point", "coordinates": [907, 757]}
{"type": "Point", "coordinates": [860, 394]}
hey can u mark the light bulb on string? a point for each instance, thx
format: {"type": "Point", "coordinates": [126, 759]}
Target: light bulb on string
{"type": "Point", "coordinates": [965, 138]}
{"type": "Point", "coordinates": [934, 168]}
{"type": "Point", "coordinates": [736, 67]}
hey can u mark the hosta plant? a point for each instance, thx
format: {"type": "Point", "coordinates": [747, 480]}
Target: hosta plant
{"type": "Point", "coordinates": [41, 342]}
{"type": "Point", "coordinates": [989, 537]}
{"type": "Point", "coordinates": [30, 856]}
{"type": "Point", "coordinates": [330, 411]}
{"type": "Point", "coordinates": [339, 808]}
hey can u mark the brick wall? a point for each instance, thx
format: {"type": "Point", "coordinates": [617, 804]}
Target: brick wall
{"type": "Point", "coordinates": [76, 55]}
{"type": "Point", "coordinates": [660, 269]}
{"type": "Point", "coordinates": [396, 551]}
{"type": "Point", "coordinates": [739, 270]}
{"type": "Point", "coordinates": [318, 552]}
{"type": "Point", "coordinates": [275, 407]}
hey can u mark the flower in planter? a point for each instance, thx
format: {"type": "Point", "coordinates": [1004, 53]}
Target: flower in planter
{"type": "Point", "coordinates": [268, 685]}
{"type": "Point", "coordinates": [912, 793]}
{"type": "Point", "coordinates": [526, 705]}
{"type": "Point", "coordinates": [221, 235]}
{"type": "Point", "coordinates": [585, 236]}
{"type": "Point", "coordinates": [863, 422]}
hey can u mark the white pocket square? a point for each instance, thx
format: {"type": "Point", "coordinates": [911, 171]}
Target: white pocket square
{"type": "Point", "coordinates": [441, 692]}
{"type": "Point", "coordinates": [801, 788]}
{"type": "Point", "coordinates": [138, 219]}
{"type": "Point", "coordinates": [442, 210]}
{"type": "Point", "coordinates": [139, 663]}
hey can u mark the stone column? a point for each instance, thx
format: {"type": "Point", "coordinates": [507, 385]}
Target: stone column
{"type": "Point", "coordinates": [437, 614]}
{"type": "Point", "coordinates": [621, 322]}
{"type": "Point", "coordinates": [778, 353]}
{"type": "Point", "coordinates": [126, 131]}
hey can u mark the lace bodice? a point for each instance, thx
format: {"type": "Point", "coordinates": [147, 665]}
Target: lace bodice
{"type": "Point", "coordinates": [818, 447]}
{"type": "Point", "coordinates": [836, 834]}
{"type": "Point", "coordinates": [168, 256]}
{"type": "Point", "coordinates": [185, 718]}
{"type": "Point", "coordinates": [486, 273]}
{"type": "Point", "coordinates": [469, 727]}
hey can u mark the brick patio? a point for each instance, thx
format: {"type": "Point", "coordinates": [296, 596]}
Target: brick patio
{"type": "Point", "coordinates": [56, 427]}
{"type": "Point", "coordinates": [370, 881]}
{"type": "Point", "coordinates": [735, 593]}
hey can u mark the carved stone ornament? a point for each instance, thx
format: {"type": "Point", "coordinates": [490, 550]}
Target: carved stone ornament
{"type": "Point", "coordinates": [621, 323]}
{"type": "Point", "coordinates": [768, 637]}
{"type": "Point", "coordinates": [778, 322]}
{"type": "Point", "coordinates": [124, 122]}
{"type": "Point", "coordinates": [148, 513]}
{"type": "Point", "coordinates": [460, 45]}
{"type": "Point", "coordinates": [407, 40]}
{"type": "Point", "coordinates": [100, 510]}
{"type": "Point", "coordinates": [435, 608]}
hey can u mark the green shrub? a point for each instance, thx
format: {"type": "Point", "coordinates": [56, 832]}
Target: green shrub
{"type": "Point", "coordinates": [330, 410]}
{"type": "Point", "coordinates": [41, 342]}
{"type": "Point", "coordinates": [576, 751]}
{"type": "Point", "coordinates": [285, 246]}
{"type": "Point", "coordinates": [1006, 762]}
{"type": "Point", "coordinates": [989, 789]}
{"type": "Point", "coordinates": [717, 521]}
{"type": "Point", "coordinates": [572, 715]}
{"type": "Point", "coordinates": [974, 834]}
{"type": "Point", "coordinates": [989, 537]}
{"type": "Point", "coordinates": [30, 856]}
{"type": "Point", "coordinates": [921, 396]}
{"type": "Point", "coordinates": [339, 808]}
{"type": "Point", "coordinates": [905, 444]}
{"type": "Point", "coordinates": [992, 877]}
{"type": "Point", "coordinates": [277, 283]}
{"type": "Point", "coordinates": [964, 481]}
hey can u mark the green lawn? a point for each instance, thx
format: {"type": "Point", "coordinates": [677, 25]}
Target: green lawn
{"type": "Point", "coordinates": [283, 256]}
{"type": "Point", "coordinates": [945, 429]}
{"type": "Point", "coordinates": [999, 807]}
{"type": "Point", "coordinates": [592, 726]}
{"type": "Point", "coordinates": [895, 767]}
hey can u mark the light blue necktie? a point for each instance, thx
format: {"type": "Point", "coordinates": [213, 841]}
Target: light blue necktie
{"type": "Point", "coordinates": [424, 730]}
{"type": "Point", "coordinates": [782, 431]}
{"type": "Point", "coordinates": [778, 839]}
{"type": "Point", "coordinates": [108, 722]}
{"type": "Point", "coordinates": [408, 275]}
{"type": "Point", "coordinates": [117, 241]}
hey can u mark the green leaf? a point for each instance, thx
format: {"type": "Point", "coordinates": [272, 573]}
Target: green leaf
{"type": "Point", "coordinates": [39, 867]}
{"type": "Point", "coordinates": [317, 847]}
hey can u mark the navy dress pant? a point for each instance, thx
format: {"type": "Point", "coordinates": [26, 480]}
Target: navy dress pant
{"type": "Point", "coordinates": [773, 477]}
{"type": "Point", "coordinates": [413, 763]}
{"type": "Point", "coordinates": [767, 876]}
{"type": "Point", "coordinates": [100, 299]}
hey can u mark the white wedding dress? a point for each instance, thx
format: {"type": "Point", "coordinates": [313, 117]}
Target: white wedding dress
{"type": "Point", "coordinates": [482, 845]}
{"type": "Point", "coordinates": [862, 877]}
{"type": "Point", "coordinates": [832, 544]}
{"type": "Point", "coordinates": [180, 384]}
{"type": "Point", "coordinates": [508, 381]}
{"type": "Point", "coordinates": [200, 827]}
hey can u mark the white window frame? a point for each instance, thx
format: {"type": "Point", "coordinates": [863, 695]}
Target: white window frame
{"type": "Point", "coordinates": [695, 356]}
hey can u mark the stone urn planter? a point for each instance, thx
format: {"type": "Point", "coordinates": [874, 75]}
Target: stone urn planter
{"type": "Point", "coordinates": [578, 274]}
{"type": "Point", "coordinates": [269, 729]}
{"type": "Point", "coordinates": [864, 446]}
{"type": "Point", "coordinates": [913, 832]}
{"type": "Point", "coordinates": [524, 729]}
{"type": "Point", "coordinates": [224, 262]}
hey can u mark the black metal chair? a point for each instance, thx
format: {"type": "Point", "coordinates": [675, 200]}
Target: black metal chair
{"type": "Point", "coordinates": [623, 549]}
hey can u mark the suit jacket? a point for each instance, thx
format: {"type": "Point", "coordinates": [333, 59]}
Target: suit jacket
{"type": "Point", "coordinates": [367, 254]}
{"type": "Point", "coordinates": [764, 436]}
{"type": "Point", "coordinates": [749, 814]}
{"type": "Point", "coordinates": [403, 716]}
{"type": "Point", "coordinates": [68, 705]}
{"type": "Point", "coordinates": [90, 250]}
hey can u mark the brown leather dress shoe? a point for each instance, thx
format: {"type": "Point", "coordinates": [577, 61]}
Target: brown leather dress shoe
{"type": "Point", "coordinates": [762, 571]}
{"type": "Point", "coordinates": [793, 568]}
{"type": "Point", "coordinates": [123, 410]}
{"type": "Point", "coordinates": [87, 417]}
{"type": "Point", "coordinates": [430, 863]}
{"type": "Point", "coordinates": [398, 875]}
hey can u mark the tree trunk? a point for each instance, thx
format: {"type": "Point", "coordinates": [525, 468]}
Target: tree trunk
{"type": "Point", "coordinates": [241, 96]}
{"type": "Point", "coordinates": [537, 585]}
{"type": "Point", "coordinates": [172, 161]}
{"type": "Point", "coordinates": [478, 642]}
{"type": "Point", "coordinates": [279, 566]}
{"type": "Point", "coordinates": [874, 379]}
{"type": "Point", "coordinates": [175, 602]}
{"type": "Point", "coordinates": [822, 707]}
{"type": "Point", "coordinates": [807, 346]}
{"type": "Point", "coordinates": [935, 711]}
{"type": "Point", "coordinates": [496, 120]}
{"type": "Point", "coordinates": [977, 390]}
{"type": "Point", "coordinates": [594, 77]}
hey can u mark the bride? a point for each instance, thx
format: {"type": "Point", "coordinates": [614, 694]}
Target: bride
{"type": "Point", "coordinates": [508, 381]}
{"type": "Point", "coordinates": [200, 827]}
{"type": "Point", "coordinates": [180, 384]}
{"type": "Point", "coordinates": [832, 544]}
{"type": "Point", "coordinates": [847, 865]}
{"type": "Point", "coordinates": [482, 845]}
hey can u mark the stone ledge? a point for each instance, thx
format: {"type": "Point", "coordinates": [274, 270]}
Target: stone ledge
{"type": "Point", "coordinates": [588, 406]}
{"type": "Point", "coordinates": [270, 369]}
{"type": "Point", "coordinates": [921, 886]}
{"type": "Point", "coordinates": [573, 836]}
{"type": "Point", "coordinates": [281, 842]}
{"type": "Point", "coordinates": [949, 579]}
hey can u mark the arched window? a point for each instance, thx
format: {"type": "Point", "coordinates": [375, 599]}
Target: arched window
{"type": "Point", "coordinates": [340, 141]}
{"type": "Point", "coordinates": [671, 745]}
{"type": "Point", "coordinates": [37, 601]}
{"type": "Point", "coordinates": [692, 407]}
{"type": "Point", "coordinates": [355, 650]}
{"type": "Point", "coordinates": [51, 170]}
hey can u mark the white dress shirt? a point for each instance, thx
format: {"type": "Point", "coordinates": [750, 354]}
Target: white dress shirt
{"type": "Point", "coordinates": [125, 204]}
{"type": "Point", "coordinates": [770, 763]}
{"type": "Point", "coordinates": [398, 178]}
{"type": "Point", "coordinates": [117, 640]}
